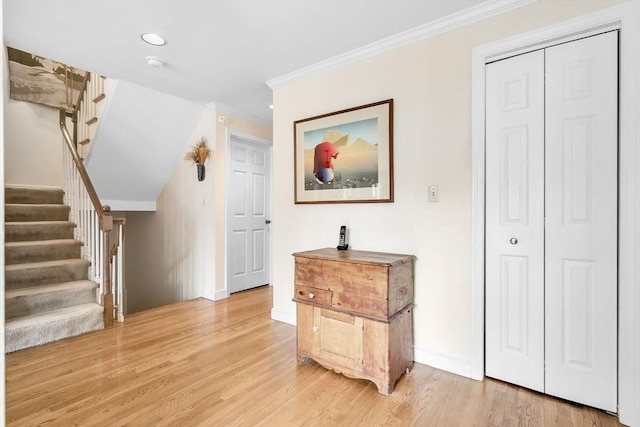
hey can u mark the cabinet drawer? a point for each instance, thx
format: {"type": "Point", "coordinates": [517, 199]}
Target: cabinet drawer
{"type": "Point", "coordinates": [314, 295]}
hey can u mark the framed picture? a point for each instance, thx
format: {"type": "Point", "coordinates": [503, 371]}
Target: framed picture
{"type": "Point", "coordinates": [346, 156]}
{"type": "Point", "coordinates": [40, 80]}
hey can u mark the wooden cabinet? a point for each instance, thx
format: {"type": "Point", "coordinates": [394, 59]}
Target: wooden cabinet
{"type": "Point", "coordinates": [354, 313]}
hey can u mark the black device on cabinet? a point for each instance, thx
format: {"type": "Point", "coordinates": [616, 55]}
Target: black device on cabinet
{"type": "Point", "coordinates": [342, 241]}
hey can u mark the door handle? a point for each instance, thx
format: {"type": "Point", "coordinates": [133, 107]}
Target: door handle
{"type": "Point", "coordinates": [513, 241]}
{"type": "Point", "coordinates": [267, 221]}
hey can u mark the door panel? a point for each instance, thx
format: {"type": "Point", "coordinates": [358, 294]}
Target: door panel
{"type": "Point", "coordinates": [249, 208]}
{"type": "Point", "coordinates": [581, 221]}
{"type": "Point", "coordinates": [514, 220]}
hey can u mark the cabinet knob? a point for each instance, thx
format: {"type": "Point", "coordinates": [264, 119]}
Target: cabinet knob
{"type": "Point", "coordinates": [314, 329]}
{"type": "Point", "coordinates": [311, 295]}
{"type": "Point", "coordinates": [513, 241]}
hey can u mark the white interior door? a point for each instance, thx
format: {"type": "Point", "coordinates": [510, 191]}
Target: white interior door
{"type": "Point", "coordinates": [515, 220]}
{"type": "Point", "coordinates": [248, 215]}
{"type": "Point", "coordinates": [551, 221]}
{"type": "Point", "coordinates": [581, 221]}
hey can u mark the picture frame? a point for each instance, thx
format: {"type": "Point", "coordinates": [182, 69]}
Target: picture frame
{"type": "Point", "coordinates": [40, 80]}
{"type": "Point", "coordinates": [345, 156]}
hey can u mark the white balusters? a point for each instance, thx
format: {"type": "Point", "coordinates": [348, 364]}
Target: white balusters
{"type": "Point", "coordinates": [84, 215]}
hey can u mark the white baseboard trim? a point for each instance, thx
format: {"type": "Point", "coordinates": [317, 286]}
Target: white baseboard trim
{"type": "Point", "coordinates": [442, 361]}
{"type": "Point", "coordinates": [283, 316]}
{"type": "Point", "coordinates": [218, 295]}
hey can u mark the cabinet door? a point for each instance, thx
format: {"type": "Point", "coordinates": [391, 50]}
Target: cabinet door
{"type": "Point", "coordinates": [340, 337]}
{"type": "Point", "coordinates": [332, 338]}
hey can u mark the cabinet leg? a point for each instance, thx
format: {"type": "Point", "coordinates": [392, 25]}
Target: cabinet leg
{"type": "Point", "coordinates": [385, 389]}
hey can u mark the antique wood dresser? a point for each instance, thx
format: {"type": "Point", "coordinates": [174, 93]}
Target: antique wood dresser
{"type": "Point", "coordinates": [354, 313]}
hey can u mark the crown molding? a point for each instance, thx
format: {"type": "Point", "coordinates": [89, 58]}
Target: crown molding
{"type": "Point", "coordinates": [460, 19]}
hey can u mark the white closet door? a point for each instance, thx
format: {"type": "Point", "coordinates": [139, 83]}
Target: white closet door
{"type": "Point", "coordinates": [581, 221]}
{"type": "Point", "coordinates": [514, 343]}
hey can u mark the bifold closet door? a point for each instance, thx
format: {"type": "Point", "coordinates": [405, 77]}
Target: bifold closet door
{"type": "Point", "coordinates": [581, 209]}
{"type": "Point", "coordinates": [514, 271]}
{"type": "Point", "coordinates": [551, 220]}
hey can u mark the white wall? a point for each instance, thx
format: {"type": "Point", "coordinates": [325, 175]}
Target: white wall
{"type": "Point", "coordinates": [430, 82]}
{"type": "Point", "coordinates": [142, 131]}
{"type": "Point", "coordinates": [33, 144]}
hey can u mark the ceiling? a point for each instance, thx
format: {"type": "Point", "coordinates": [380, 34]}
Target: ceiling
{"type": "Point", "coordinates": [217, 51]}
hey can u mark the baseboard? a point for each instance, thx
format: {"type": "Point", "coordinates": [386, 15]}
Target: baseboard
{"type": "Point", "coordinates": [218, 295]}
{"type": "Point", "coordinates": [441, 361]}
{"type": "Point", "coordinates": [283, 316]}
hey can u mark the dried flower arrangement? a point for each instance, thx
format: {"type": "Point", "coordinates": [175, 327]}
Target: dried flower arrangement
{"type": "Point", "coordinates": [199, 153]}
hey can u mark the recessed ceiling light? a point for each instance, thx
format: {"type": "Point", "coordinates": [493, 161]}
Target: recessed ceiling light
{"type": "Point", "coordinates": [154, 39]}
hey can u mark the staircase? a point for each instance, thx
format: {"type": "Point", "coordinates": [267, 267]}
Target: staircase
{"type": "Point", "coordinates": [47, 292]}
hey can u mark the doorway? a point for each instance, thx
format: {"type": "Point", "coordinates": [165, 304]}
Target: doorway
{"type": "Point", "coordinates": [248, 212]}
{"type": "Point", "coordinates": [551, 220]}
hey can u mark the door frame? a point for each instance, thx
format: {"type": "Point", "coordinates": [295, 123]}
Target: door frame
{"type": "Point", "coordinates": [625, 18]}
{"type": "Point", "coordinates": [257, 140]}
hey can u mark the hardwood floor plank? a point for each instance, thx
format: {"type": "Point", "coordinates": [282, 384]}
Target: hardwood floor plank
{"type": "Point", "coordinates": [226, 363]}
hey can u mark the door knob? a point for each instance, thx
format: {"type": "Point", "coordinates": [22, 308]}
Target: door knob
{"type": "Point", "coordinates": [513, 241]}
{"type": "Point", "coordinates": [267, 221]}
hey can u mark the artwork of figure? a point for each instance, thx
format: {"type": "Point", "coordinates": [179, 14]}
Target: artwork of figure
{"type": "Point", "coordinates": [323, 157]}
{"type": "Point", "coordinates": [341, 156]}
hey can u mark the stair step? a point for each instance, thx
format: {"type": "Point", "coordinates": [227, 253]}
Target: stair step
{"type": "Point", "coordinates": [38, 230]}
{"type": "Point", "coordinates": [45, 250]}
{"type": "Point", "coordinates": [28, 212]}
{"type": "Point", "coordinates": [45, 273]}
{"type": "Point", "coordinates": [39, 299]}
{"type": "Point", "coordinates": [37, 329]}
{"type": "Point", "coordinates": [33, 195]}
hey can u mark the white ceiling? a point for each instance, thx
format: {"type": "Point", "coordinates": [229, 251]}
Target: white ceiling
{"type": "Point", "coordinates": [218, 51]}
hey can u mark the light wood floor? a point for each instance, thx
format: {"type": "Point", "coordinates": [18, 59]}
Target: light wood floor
{"type": "Point", "coordinates": [226, 363]}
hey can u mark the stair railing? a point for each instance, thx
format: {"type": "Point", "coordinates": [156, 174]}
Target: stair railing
{"type": "Point", "coordinates": [93, 225]}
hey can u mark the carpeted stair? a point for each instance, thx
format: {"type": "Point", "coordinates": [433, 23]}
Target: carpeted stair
{"type": "Point", "coordinates": [47, 292]}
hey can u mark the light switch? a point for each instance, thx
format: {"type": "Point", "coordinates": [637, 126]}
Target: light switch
{"type": "Point", "coordinates": [434, 193]}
